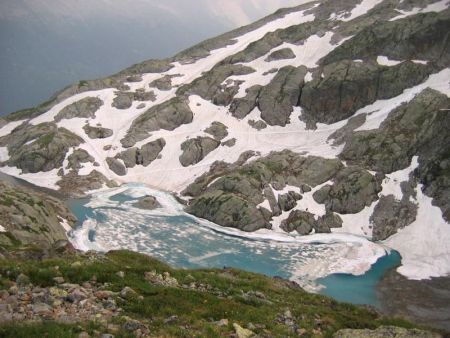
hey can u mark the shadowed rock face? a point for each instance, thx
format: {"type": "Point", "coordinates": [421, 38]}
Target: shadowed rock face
{"type": "Point", "coordinates": [277, 99]}
{"type": "Point", "coordinates": [195, 150]}
{"type": "Point", "coordinates": [168, 115]}
{"type": "Point", "coordinates": [347, 86]}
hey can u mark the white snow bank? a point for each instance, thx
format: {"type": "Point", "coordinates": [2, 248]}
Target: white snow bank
{"type": "Point", "coordinates": [43, 179]}
{"type": "Point", "coordinates": [385, 61]}
{"type": "Point", "coordinates": [8, 128]}
{"type": "Point", "coordinates": [4, 155]}
{"type": "Point", "coordinates": [362, 8]}
{"type": "Point", "coordinates": [425, 244]}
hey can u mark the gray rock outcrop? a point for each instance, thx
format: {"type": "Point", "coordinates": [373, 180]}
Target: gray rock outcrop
{"type": "Point", "coordinates": [218, 130]}
{"type": "Point", "coordinates": [391, 215]}
{"type": "Point", "coordinates": [31, 218]}
{"type": "Point", "coordinates": [116, 166]}
{"type": "Point", "coordinates": [195, 150]}
{"type": "Point", "coordinates": [148, 203]}
{"type": "Point", "coordinates": [84, 108]}
{"type": "Point", "coordinates": [142, 156]}
{"type": "Point", "coordinates": [281, 54]}
{"type": "Point", "coordinates": [168, 115]}
{"type": "Point", "coordinates": [277, 99]}
{"type": "Point", "coordinates": [42, 147]}
{"type": "Point", "coordinates": [352, 191]}
{"type": "Point", "coordinates": [97, 132]}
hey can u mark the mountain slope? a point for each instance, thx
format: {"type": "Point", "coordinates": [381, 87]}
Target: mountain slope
{"type": "Point", "coordinates": [326, 117]}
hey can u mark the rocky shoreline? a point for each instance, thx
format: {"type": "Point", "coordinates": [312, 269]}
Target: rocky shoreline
{"type": "Point", "coordinates": [422, 301]}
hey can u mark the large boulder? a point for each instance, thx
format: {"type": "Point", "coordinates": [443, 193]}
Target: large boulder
{"type": "Point", "coordinates": [391, 215]}
{"type": "Point", "coordinates": [195, 150]}
{"type": "Point", "coordinates": [304, 222]}
{"type": "Point", "coordinates": [168, 115]}
{"type": "Point", "coordinates": [242, 106]}
{"type": "Point", "coordinates": [218, 130]}
{"type": "Point", "coordinates": [142, 156]}
{"type": "Point", "coordinates": [352, 191]}
{"type": "Point", "coordinates": [97, 132]}
{"type": "Point", "coordinates": [84, 108]}
{"type": "Point", "coordinates": [229, 210]}
{"type": "Point", "coordinates": [280, 54]}
{"type": "Point", "coordinates": [148, 203]}
{"type": "Point", "coordinates": [116, 166]}
{"type": "Point", "coordinates": [77, 158]}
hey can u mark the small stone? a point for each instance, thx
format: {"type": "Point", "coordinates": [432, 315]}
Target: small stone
{"type": "Point", "coordinates": [222, 322]}
{"type": "Point", "coordinates": [42, 309]}
{"type": "Point", "coordinates": [22, 280]}
{"type": "Point", "coordinates": [103, 294]}
{"type": "Point", "coordinates": [132, 325]}
{"type": "Point", "coordinates": [127, 291]}
{"type": "Point", "coordinates": [76, 264]}
{"type": "Point", "coordinates": [83, 335]}
{"type": "Point", "coordinates": [120, 274]}
{"type": "Point", "coordinates": [55, 292]}
{"type": "Point", "coordinates": [58, 280]}
{"type": "Point", "coordinates": [87, 285]}
{"type": "Point", "coordinates": [241, 332]}
{"type": "Point", "coordinates": [171, 319]}
{"type": "Point", "coordinates": [13, 290]}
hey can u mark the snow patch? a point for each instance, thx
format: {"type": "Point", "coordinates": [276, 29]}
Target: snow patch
{"type": "Point", "coordinates": [360, 9]}
{"type": "Point", "coordinates": [4, 154]}
{"type": "Point", "coordinates": [43, 179]}
{"type": "Point", "coordinates": [2, 229]}
{"type": "Point", "coordinates": [7, 129]}
{"type": "Point", "coordinates": [385, 61]}
{"type": "Point", "coordinates": [424, 244]}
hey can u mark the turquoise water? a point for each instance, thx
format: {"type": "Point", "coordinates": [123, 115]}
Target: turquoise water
{"type": "Point", "coordinates": [183, 241]}
{"type": "Point", "coordinates": [359, 289]}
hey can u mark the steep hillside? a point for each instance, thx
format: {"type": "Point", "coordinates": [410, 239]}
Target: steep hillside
{"type": "Point", "coordinates": [327, 117]}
